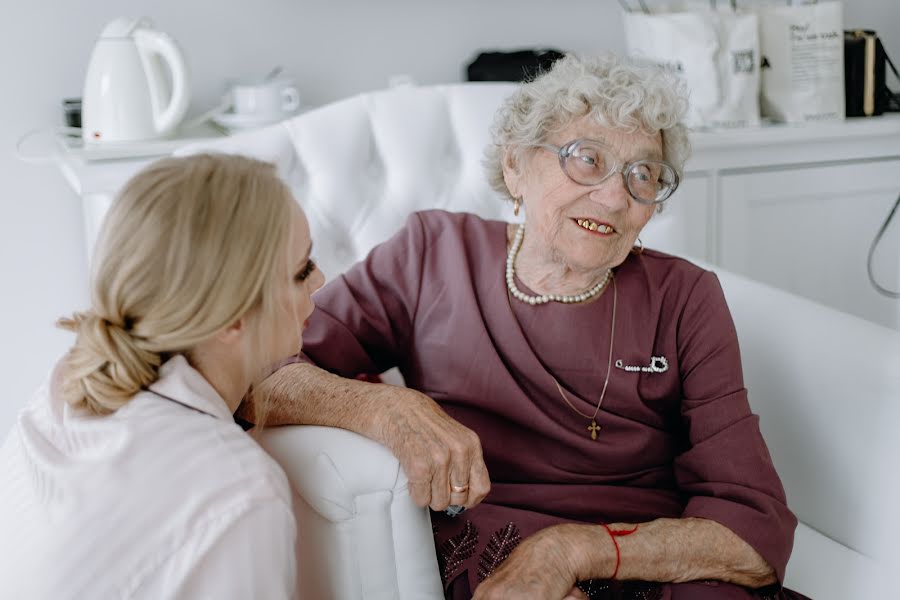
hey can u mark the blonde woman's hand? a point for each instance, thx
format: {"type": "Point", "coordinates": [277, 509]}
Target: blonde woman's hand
{"type": "Point", "coordinates": [441, 457]}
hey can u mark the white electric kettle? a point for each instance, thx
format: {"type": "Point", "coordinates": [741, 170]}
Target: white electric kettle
{"type": "Point", "coordinates": [127, 96]}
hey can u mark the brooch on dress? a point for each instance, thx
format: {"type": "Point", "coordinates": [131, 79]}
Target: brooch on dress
{"type": "Point", "coordinates": [658, 364]}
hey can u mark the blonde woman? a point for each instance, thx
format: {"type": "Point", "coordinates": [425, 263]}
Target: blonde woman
{"type": "Point", "coordinates": [126, 476]}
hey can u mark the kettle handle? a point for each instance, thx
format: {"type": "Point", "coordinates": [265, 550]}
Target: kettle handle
{"type": "Point", "coordinates": [149, 43]}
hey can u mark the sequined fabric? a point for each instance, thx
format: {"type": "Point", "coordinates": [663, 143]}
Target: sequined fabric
{"type": "Point", "coordinates": [456, 550]}
{"type": "Point", "coordinates": [501, 544]}
{"type": "Point", "coordinates": [621, 590]}
{"type": "Point", "coordinates": [459, 589]}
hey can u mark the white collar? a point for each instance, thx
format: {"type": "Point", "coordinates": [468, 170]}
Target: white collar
{"type": "Point", "coordinates": [183, 384]}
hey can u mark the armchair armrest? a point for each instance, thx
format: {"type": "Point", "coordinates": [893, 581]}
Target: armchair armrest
{"type": "Point", "coordinates": [359, 533]}
{"type": "Point", "coordinates": [826, 387]}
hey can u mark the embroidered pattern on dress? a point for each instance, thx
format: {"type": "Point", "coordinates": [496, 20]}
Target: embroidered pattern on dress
{"type": "Point", "coordinates": [603, 589]}
{"type": "Point", "coordinates": [772, 592]}
{"type": "Point", "coordinates": [498, 548]}
{"type": "Point", "coordinates": [456, 550]}
{"type": "Point", "coordinates": [599, 589]}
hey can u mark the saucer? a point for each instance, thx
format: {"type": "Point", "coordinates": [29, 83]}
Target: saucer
{"type": "Point", "coordinates": [238, 121]}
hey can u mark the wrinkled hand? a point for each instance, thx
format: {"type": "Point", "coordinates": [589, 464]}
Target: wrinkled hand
{"type": "Point", "coordinates": [435, 451]}
{"type": "Point", "coordinates": [542, 566]}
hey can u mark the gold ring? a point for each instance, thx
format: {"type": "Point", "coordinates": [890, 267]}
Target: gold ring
{"type": "Point", "coordinates": [459, 489]}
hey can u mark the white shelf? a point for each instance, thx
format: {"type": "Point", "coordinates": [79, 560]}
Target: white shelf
{"type": "Point", "coordinates": [886, 125]}
{"type": "Point", "coordinates": [75, 147]}
{"type": "Point", "coordinates": [779, 144]}
{"type": "Point", "coordinates": [102, 168]}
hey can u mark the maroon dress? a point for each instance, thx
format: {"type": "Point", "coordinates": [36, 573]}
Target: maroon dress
{"type": "Point", "coordinates": [676, 439]}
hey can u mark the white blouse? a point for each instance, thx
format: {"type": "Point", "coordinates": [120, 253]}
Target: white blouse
{"type": "Point", "coordinates": [157, 500]}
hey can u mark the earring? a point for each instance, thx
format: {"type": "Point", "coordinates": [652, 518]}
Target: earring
{"type": "Point", "coordinates": [517, 202]}
{"type": "Point", "coordinates": [639, 247]}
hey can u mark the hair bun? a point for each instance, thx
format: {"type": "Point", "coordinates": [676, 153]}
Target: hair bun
{"type": "Point", "coordinates": [107, 365]}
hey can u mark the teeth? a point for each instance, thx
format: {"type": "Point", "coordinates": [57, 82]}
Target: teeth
{"type": "Point", "coordinates": [592, 226]}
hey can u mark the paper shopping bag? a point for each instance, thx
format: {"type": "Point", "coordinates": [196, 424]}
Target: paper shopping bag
{"type": "Point", "coordinates": [716, 51]}
{"type": "Point", "coordinates": [803, 62]}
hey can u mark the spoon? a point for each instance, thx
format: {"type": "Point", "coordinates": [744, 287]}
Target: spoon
{"type": "Point", "coordinates": [273, 74]}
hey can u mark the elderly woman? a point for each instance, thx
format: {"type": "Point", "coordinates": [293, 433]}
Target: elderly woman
{"type": "Point", "coordinates": [587, 390]}
{"type": "Point", "coordinates": [128, 477]}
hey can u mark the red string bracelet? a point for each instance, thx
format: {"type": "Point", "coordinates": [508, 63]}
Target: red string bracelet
{"type": "Point", "coordinates": [614, 535]}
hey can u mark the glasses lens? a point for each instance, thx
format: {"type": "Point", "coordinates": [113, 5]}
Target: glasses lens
{"type": "Point", "coordinates": [588, 164]}
{"type": "Point", "coordinates": [651, 181]}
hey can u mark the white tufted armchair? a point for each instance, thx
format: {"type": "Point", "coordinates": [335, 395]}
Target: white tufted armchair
{"type": "Point", "coordinates": [825, 384]}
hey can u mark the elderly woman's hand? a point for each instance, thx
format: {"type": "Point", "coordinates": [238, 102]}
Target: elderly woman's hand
{"type": "Point", "coordinates": [545, 565]}
{"type": "Point", "coordinates": [441, 457]}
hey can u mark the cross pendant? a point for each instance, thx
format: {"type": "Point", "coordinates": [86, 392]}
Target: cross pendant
{"type": "Point", "coordinates": [593, 428]}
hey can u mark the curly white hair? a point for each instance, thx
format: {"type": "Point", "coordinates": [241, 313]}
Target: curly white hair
{"type": "Point", "coordinates": [619, 93]}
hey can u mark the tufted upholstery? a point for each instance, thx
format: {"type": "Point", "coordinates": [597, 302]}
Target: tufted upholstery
{"type": "Point", "coordinates": [825, 384]}
{"type": "Point", "coordinates": [361, 165]}
{"type": "Point", "coordinates": [357, 179]}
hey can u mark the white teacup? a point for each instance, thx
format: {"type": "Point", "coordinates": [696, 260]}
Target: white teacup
{"type": "Point", "coordinates": [268, 99]}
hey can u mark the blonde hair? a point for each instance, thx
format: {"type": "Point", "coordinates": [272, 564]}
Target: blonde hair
{"type": "Point", "coordinates": [189, 247]}
{"type": "Point", "coordinates": [619, 93]}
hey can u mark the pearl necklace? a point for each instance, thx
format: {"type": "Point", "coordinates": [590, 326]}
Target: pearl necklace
{"type": "Point", "coordinates": [543, 299]}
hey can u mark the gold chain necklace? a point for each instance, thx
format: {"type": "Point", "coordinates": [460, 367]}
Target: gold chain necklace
{"type": "Point", "coordinates": [510, 273]}
{"type": "Point", "coordinates": [593, 427]}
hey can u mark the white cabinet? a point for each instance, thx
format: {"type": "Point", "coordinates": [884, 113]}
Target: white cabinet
{"type": "Point", "coordinates": [799, 206]}
{"type": "Point", "coordinates": [683, 228]}
{"type": "Point", "coordinates": [808, 229]}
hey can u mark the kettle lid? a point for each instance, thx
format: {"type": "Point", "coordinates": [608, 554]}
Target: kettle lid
{"type": "Point", "coordinates": [124, 27]}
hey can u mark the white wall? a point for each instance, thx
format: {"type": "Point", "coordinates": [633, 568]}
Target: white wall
{"type": "Point", "coordinates": [334, 49]}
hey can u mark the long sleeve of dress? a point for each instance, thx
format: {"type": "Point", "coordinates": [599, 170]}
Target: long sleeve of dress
{"type": "Point", "coordinates": [726, 471]}
{"type": "Point", "coordinates": [363, 319]}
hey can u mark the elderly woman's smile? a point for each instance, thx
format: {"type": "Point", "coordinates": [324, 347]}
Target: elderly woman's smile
{"type": "Point", "coordinates": [595, 227]}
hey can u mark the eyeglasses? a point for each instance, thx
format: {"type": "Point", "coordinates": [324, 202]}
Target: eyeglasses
{"type": "Point", "coordinates": [588, 162]}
